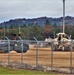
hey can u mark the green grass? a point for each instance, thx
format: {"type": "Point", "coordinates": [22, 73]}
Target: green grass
{"type": "Point", "coordinates": [9, 71]}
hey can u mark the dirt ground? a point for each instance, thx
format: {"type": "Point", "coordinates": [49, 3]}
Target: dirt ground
{"type": "Point", "coordinates": [60, 59]}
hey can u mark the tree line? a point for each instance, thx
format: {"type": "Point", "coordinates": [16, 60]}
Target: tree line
{"type": "Point", "coordinates": [28, 32]}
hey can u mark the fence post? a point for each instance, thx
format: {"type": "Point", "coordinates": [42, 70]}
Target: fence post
{"type": "Point", "coordinates": [52, 55]}
{"type": "Point", "coordinates": [21, 50]}
{"type": "Point", "coordinates": [71, 58]}
{"type": "Point", "coordinates": [22, 53]}
{"type": "Point", "coordinates": [8, 50]}
{"type": "Point", "coordinates": [36, 53]}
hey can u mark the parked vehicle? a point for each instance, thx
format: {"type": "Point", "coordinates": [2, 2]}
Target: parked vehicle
{"type": "Point", "coordinates": [62, 41]}
{"type": "Point", "coordinates": [16, 44]}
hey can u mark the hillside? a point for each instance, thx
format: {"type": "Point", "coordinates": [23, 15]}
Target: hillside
{"type": "Point", "coordinates": [37, 21]}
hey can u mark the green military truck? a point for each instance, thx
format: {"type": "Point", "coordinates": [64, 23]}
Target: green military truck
{"type": "Point", "coordinates": [14, 43]}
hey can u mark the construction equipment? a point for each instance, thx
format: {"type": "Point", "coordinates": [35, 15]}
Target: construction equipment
{"type": "Point", "coordinates": [62, 41]}
{"type": "Point", "coordinates": [48, 41]}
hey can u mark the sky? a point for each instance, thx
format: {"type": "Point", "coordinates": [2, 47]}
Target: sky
{"type": "Point", "coordinates": [12, 9]}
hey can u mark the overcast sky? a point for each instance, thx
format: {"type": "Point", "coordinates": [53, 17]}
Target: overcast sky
{"type": "Point", "coordinates": [11, 9]}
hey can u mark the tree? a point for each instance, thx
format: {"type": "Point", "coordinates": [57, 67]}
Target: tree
{"type": "Point", "coordinates": [48, 30]}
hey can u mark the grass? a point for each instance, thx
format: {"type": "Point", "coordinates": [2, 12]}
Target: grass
{"type": "Point", "coordinates": [9, 71]}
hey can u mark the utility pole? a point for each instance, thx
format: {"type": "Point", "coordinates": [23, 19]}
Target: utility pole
{"type": "Point", "coordinates": [4, 32]}
{"type": "Point", "coordinates": [63, 16]}
{"type": "Point", "coordinates": [19, 29]}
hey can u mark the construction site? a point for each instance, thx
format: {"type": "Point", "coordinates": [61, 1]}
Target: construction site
{"type": "Point", "coordinates": [40, 56]}
{"type": "Point", "coordinates": [48, 54]}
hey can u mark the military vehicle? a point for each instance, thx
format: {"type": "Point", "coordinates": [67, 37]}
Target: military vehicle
{"type": "Point", "coordinates": [61, 42]}
{"type": "Point", "coordinates": [15, 43]}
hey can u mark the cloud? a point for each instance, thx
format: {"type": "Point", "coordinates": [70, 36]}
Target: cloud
{"type": "Point", "coordinates": [11, 9]}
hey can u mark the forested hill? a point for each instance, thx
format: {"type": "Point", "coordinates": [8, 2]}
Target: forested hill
{"type": "Point", "coordinates": [37, 21]}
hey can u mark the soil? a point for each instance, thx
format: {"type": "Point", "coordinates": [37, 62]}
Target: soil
{"type": "Point", "coordinates": [61, 59]}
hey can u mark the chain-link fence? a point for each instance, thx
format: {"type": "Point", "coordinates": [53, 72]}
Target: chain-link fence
{"type": "Point", "coordinates": [39, 54]}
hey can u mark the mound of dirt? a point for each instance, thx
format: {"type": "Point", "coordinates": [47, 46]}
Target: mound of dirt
{"type": "Point", "coordinates": [13, 52]}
